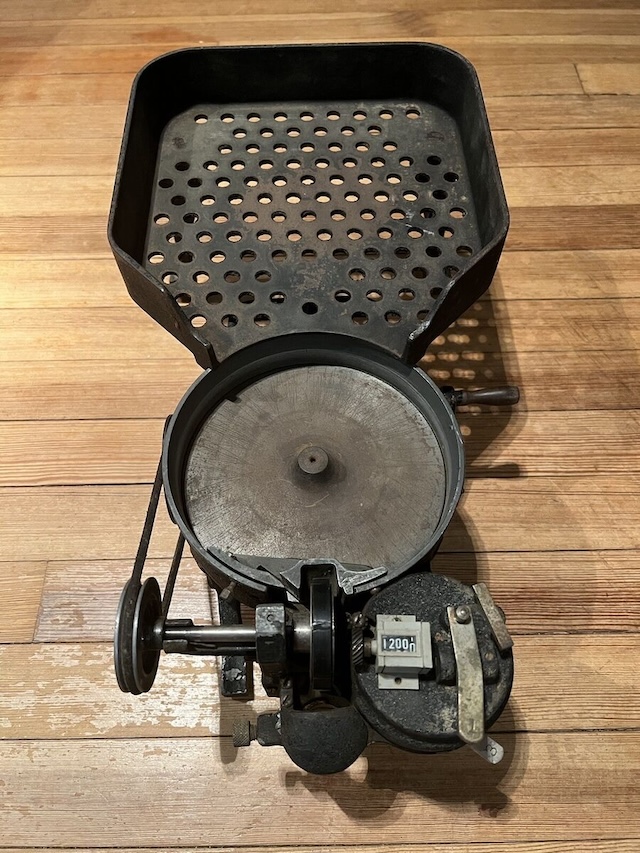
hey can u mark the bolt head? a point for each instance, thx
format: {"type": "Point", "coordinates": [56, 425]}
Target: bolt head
{"type": "Point", "coordinates": [463, 614]}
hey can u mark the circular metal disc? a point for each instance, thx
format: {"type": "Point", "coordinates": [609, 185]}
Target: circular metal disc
{"type": "Point", "coordinates": [249, 490]}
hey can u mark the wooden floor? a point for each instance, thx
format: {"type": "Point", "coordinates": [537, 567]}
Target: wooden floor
{"type": "Point", "coordinates": [551, 515]}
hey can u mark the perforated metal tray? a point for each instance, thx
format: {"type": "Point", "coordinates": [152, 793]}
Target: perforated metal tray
{"type": "Point", "coordinates": [326, 188]}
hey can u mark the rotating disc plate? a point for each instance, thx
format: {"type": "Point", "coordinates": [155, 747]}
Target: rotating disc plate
{"type": "Point", "coordinates": [256, 482]}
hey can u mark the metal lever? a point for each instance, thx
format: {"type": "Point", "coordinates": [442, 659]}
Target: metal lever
{"type": "Point", "coordinates": [470, 685]}
{"type": "Point", "coordinates": [506, 395]}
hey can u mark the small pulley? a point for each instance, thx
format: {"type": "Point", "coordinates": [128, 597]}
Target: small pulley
{"type": "Point", "coordinates": [136, 653]}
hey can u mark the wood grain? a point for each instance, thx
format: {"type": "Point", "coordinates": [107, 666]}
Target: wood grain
{"type": "Point", "coordinates": [20, 594]}
{"type": "Point", "coordinates": [126, 451]}
{"type": "Point", "coordinates": [610, 78]}
{"type": "Point", "coordinates": [68, 690]}
{"type": "Point", "coordinates": [536, 590]}
{"type": "Point", "coordinates": [521, 514]}
{"type": "Point", "coordinates": [542, 789]}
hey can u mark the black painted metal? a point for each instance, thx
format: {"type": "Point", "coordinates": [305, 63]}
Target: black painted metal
{"type": "Point", "coordinates": [335, 188]}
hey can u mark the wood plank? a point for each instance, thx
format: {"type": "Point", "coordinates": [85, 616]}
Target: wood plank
{"type": "Point", "coordinates": [68, 690]}
{"type": "Point", "coordinates": [80, 598]}
{"type": "Point", "coordinates": [96, 282]}
{"type": "Point", "coordinates": [76, 156]}
{"type": "Point", "coordinates": [521, 514]}
{"type": "Point", "coordinates": [334, 26]}
{"type": "Point", "coordinates": [586, 590]}
{"type": "Point", "coordinates": [550, 786]}
{"type": "Point", "coordinates": [618, 845]}
{"type": "Point", "coordinates": [20, 593]}
{"type": "Point", "coordinates": [70, 390]}
{"type": "Point", "coordinates": [108, 87]}
{"type": "Point", "coordinates": [542, 229]}
{"type": "Point", "coordinates": [497, 444]}
{"type": "Point", "coordinates": [610, 78]}
{"type": "Point", "coordinates": [572, 325]}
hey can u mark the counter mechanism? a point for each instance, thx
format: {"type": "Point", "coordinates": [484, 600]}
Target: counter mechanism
{"type": "Point", "coordinates": [307, 220]}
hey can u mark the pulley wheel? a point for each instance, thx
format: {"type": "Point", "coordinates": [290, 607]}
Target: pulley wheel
{"type": "Point", "coordinates": [135, 657]}
{"type": "Point", "coordinates": [322, 618]}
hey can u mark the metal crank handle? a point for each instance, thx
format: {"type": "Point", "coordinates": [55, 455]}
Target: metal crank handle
{"type": "Point", "coordinates": [507, 395]}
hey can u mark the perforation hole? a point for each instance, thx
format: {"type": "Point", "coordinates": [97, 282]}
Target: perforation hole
{"type": "Point", "coordinates": [322, 131]}
{"type": "Point", "coordinates": [374, 295]}
{"type": "Point", "coordinates": [278, 216]}
{"type": "Point", "coordinates": [457, 213]}
{"type": "Point", "coordinates": [414, 233]}
{"type": "Point", "coordinates": [294, 164]}
{"type": "Point", "coordinates": [406, 294]}
{"type": "Point", "coordinates": [434, 160]}
{"type": "Point", "coordinates": [165, 183]}
{"type": "Point", "coordinates": [229, 320]}
{"type": "Point", "coordinates": [279, 255]}
{"type": "Point", "coordinates": [349, 162]}
{"type": "Point", "coordinates": [422, 178]}
{"type": "Point", "coordinates": [335, 147]}
{"type": "Point", "coordinates": [293, 132]}
{"type": "Point", "coordinates": [237, 165]}
{"type": "Point", "coordinates": [406, 162]}
{"type": "Point", "coordinates": [262, 320]}
{"type": "Point", "coordinates": [322, 163]}
{"type": "Point", "coordinates": [178, 200]}
{"type": "Point", "coordinates": [452, 177]}
{"type": "Point", "coordinates": [402, 252]}
{"type": "Point", "coordinates": [324, 234]}
{"type": "Point", "coordinates": [388, 273]}
{"type": "Point", "coordinates": [440, 194]}
{"type": "Point", "coordinates": [174, 237]}
{"type": "Point", "coordinates": [336, 180]}
{"type": "Point", "coordinates": [263, 276]}
{"type": "Point", "coordinates": [248, 256]}
{"type": "Point", "coordinates": [435, 292]}
{"type": "Point", "coordinates": [357, 275]}
{"type": "Point", "coordinates": [266, 164]}
{"type": "Point", "coordinates": [371, 253]}
{"type": "Point", "coordinates": [198, 321]}
{"type": "Point", "coordinates": [351, 197]}
{"type": "Point", "coordinates": [338, 215]}
{"type": "Point", "coordinates": [280, 148]}
{"type": "Point", "coordinates": [217, 257]}
{"type": "Point", "coordinates": [190, 218]}
{"type": "Point", "coordinates": [354, 234]}
{"type": "Point", "coordinates": [360, 146]}
{"type": "Point", "coordinates": [253, 117]}
{"type": "Point", "coordinates": [169, 277]}
{"type": "Point", "coordinates": [294, 198]}
{"type": "Point", "coordinates": [236, 198]}
{"type": "Point", "coordinates": [239, 133]}
{"type": "Point", "coordinates": [277, 297]}
{"type": "Point", "coordinates": [252, 148]}
{"type": "Point", "coordinates": [214, 298]}
{"type": "Point", "coordinates": [427, 213]}
{"type": "Point", "coordinates": [433, 251]}
{"type": "Point", "coordinates": [264, 236]}
{"type": "Point", "coordinates": [340, 254]}
{"type": "Point", "coordinates": [280, 116]}
{"type": "Point", "coordinates": [445, 232]}
{"type": "Point", "coordinates": [201, 118]}
{"type": "Point", "coordinates": [347, 131]}
{"type": "Point", "coordinates": [161, 219]}
{"type": "Point", "coordinates": [342, 296]}
{"type": "Point", "coordinates": [359, 318]}
{"type": "Point", "coordinates": [211, 165]}
{"type": "Point", "coordinates": [225, 149]}
{"type": "Point", "coordinates": [232, 276]}
{"type": "Point", "coordinates": [182, 166]}
{"type": "Point", "coordinates": [410, 196]}
{"type": "Point", "coordinates": [279, 181]}
{"type": "Point", "coordinates": [390, 146]}
{"type": "Point", "coordinates": [381, 196]}
{"type": "Point", "coordinates": [367, 215]}
{"type": "Point", "coordinates": [419, 272]}
{"type": "Point", "coordinates": [392, 317]}
{"type": "Point", "coordinates": [250, 217]}
{"type": "Point", "coordinates": [183, 299]}
{"type": "Point", "coordinates": [234, 236]}
{"type": "Point", "coordinates": [397, 214]}
{"type": "Point", "coordinates": [308, 216]}
{"type": "Point", "coordinates": [365, 179]}
{"type": "Point", "coordinates": [246, 297]}
{"type": "Point", "coordinates": [194, 182]}
{"type": "Point", "coordinates": [265, 198]}
{"type": "Point", "coordinates": [309, 255]}
{"type": "Point", "coordinates": [201, 277]}
{"type": "Point", "coordinates": [450, 271]}
{"type": "Point", "coordinates": [223, 183]}
{"type": "Point", "coordinates": [412, 113]}
{"type": "Point", "coordinates": [227, 118]}
{"type": "Point", "coordinates": [385, 233]}
{"type": "Point", "coordinates": [310, 308]}
{"type": "Point", "coordinates": [386, 114]}
{"type": "Point", "coordinates": [422, 315]}
{"type": "Point", "coordinates": [464, 251]}
{"type": "Point", "coordinates": [266, 132]}
{"type": "Point", "coordinates": [323, 198]}
{"type": "Point", "coordinates": [333, 115]}
{"type": "Point", "coordinates": [307, 180]}
{"type": "Point", "coordinates": [185, 257]}
{"type": "Point", "coordinates": [294, 236]}
{"type": "Point", "coordinates": [374, 130]}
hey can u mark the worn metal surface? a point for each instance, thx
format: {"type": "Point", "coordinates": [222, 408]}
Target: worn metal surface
{"type": "Point", "coordinates": [469, 674]}
{"type": "Point", "coordinates": [378, 501]}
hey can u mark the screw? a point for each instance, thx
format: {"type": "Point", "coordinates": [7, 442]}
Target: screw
{"type": "Point", "coordinates": [463, 614]}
